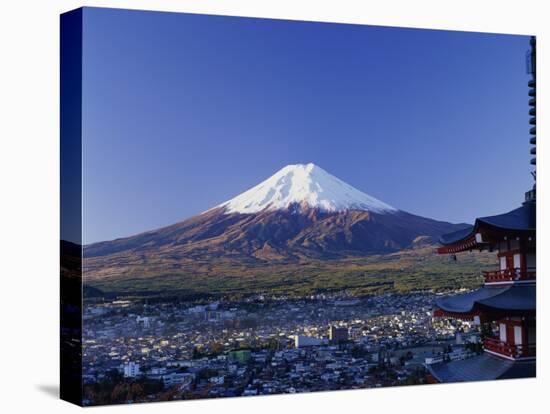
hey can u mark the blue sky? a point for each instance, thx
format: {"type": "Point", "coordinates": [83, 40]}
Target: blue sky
{"type": "Point", "coordinates": [182, 112]}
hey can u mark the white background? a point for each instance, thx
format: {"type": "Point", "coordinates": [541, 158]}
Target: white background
{"type": "Point", "coordinates": [29, 191]}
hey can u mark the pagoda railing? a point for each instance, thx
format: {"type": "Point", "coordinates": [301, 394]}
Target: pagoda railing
{"type": "Point", "coordinates": [509, 275]}
{"type": "Point", "coordinates": [512, 351]}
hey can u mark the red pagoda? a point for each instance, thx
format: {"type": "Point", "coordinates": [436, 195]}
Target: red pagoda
{"type": "Point", "coordinates": [507, 299]}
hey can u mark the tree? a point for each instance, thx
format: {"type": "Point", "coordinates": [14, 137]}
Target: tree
{"type": "Point", "coordinates": [119, 393]}
{"type": "Point", "coordinates": [486, 330]}
{"type": "Point", "coordinates": [217, 348]}
{"type": "Point", "coordinates": [135, 392]}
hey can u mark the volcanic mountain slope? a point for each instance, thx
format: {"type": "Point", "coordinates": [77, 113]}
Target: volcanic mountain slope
{"type": "Point", "coordinates": [300, 213]}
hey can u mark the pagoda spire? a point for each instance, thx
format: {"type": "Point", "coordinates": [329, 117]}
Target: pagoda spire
{"type": "Point", "coordinates": [531, 62]}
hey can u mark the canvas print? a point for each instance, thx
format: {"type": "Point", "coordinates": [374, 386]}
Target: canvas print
{"type": "Point", "coordinates": [258, 206]}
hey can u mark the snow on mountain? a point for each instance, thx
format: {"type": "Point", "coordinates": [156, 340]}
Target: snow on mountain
{"type": "Point", "coordinates": [304, 184]}
{"type": "Point", "coordinates": [353, 224]}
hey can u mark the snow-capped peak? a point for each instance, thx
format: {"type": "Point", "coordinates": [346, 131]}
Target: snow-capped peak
{"type": "Point", "coordinates": [304, 184]}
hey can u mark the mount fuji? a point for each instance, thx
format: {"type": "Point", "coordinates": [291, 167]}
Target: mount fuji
{"type": "Point", "coordinates": [307, 186]}
{"type": "Point", "coordinates": [301, 213]}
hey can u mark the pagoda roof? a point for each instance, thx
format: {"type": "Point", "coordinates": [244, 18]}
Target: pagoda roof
{"type": "Point", "coordinates": [516, 298]}
{"type": "Point", "coordinates": [455, 236]}
{"type": "Point", "coordinates": [520, 220]}
{"type": "Point", "coordinates": [484, 367]}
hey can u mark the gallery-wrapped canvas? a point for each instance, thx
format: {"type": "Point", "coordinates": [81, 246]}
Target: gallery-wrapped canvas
{"type": "Point", "coordinates": [258, 206]}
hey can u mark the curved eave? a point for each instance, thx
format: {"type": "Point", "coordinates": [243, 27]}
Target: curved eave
{"type": "Point", "coordinates": [517, 299]}
{"type": "Point", "coordinates": [466, 244]}
{"type": "Point", "coordinates": [464, 316]}
{"type": "Point", "coordinates": [521, 221]}
{"type": "Point", "coordinates": [481, 368]}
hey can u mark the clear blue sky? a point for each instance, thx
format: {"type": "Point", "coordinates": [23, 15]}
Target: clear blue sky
{"type": "Point", "coordinates": [182, 112]}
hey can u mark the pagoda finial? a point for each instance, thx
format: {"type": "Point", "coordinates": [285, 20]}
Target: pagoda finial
{"type": "Point", "coordinates": [531, 62]}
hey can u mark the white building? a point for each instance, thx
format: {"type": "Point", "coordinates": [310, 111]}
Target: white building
{"type": "Point", "coordinates": [219, 380]}
{"type": "Point", "coordinates": [145, 320]}
{"type": "Point", "coordinates": [131, 370]}
{"type": "Point", "coordinates": [300, 341]}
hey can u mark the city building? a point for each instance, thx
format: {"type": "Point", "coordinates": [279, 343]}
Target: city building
{"type": "Point", "coordinates": [146, 321]}
{"type": "Point", "coordinates": [301, 341]}
{"type": "Point", "coordinates": [131, 370]}
{"type": "Point", "coordinates": [338, 334]}
{"type": "Point", "coordinates": [241, 356]}
{"type": "Point", "coordinates": [507, 299]}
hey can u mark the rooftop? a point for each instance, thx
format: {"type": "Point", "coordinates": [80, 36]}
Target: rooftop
{"type": "Point", "coordinates": [521, 298]}
{"type": "Point", "coordinates": [484, 367]}
{"type": "Point", "coordinates": [522, 219]}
